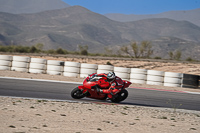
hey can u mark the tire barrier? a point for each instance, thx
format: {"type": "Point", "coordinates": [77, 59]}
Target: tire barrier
{"type": "Point", "coordinates": [138, 81]}
{"type": "Point", "coordinates": [172, 79]}
{"type": "Point", "coordinates": [138, 75]}
{"type": "Point", "coordinates": [75, 69]}
{"type": "Point", "coordinates": [71, 69]}
{"type": "Point", "coordinates": [6, 57]}
{"type": "Point", "coordinates": [155, 77]}
{"type": "Point", "coordinates": [21, 59]}
{"type": "Point", "coordinates": [122, 72]}
{"type": "Point", "coordinates": [20, 63]}
{"type": "Point", "coordinates": [181, 80]}
{"type": "Point", "coordinates": [87, 69]}
{"type": "Point", "coordinates": [105, 68]}
{"type": "Point", "coordinates": [173, 75]}
{"type": "Point", "coordinates": [55, 67]}
{"type": "Point", "coordinates": [190, 81]}
{"type": "Point", "coordinates": [37, 65]}
{"type": "Point", "coordinates": [5, 62]}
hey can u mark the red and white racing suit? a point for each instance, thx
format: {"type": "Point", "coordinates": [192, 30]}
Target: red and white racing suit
{"type": "Point", "coordinates": [115, 85]}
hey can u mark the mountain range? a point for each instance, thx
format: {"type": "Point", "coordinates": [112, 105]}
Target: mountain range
{"type": "Point", "coordinates": [187, 15]}
{"type": "Point", "coordinates": [74, 25]}
{"type": "Point", "coordinates": [30, 6]}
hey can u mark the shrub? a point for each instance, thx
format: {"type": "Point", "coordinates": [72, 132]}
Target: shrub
{"type": "Point", "coordinates": [84, 52]}
{"type": "Point", "coordinates": [33, 49]}
{"type": "Point", "coordinates": [189, 59]}
{"type": "Point", "coordinates": [108, 63]}
{"type": "Point", "coordinates": [61, 51]}
{"type": "Point", "coordinates": [157, 57]}
{"type": "Point", "coordinates": [3, 49]}
{"type": "Point", "coordinates": [51, 51]}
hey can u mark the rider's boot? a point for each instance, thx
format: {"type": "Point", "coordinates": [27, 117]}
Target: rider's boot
{"type": "Point", "coordinates": [109, 97]}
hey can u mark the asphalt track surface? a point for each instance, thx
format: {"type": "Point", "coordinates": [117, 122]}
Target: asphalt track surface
{"type": "Point", "coordinates": [61, 91]}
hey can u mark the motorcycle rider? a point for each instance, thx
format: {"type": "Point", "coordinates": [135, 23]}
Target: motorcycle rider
{"type": "Point", "coordinates": [116, 84]}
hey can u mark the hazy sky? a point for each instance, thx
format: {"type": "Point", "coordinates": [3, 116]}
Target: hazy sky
{"type": "Point", "coordinates": [135, 6]}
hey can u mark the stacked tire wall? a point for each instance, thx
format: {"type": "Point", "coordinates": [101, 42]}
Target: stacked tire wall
{"type": "Point", "coordinates": [38, 65]}
{"type": "Point", "coordinates": [5, 62]}
{"type": "Point", "coordinates": [20, 63]}
{"type": "Point", "coordinates": [173, 79]}
{"type": "Point", "coordinates": [55, 67]}
{"type": "Point", "coordinates": [190, 81]}
{"type": "Point", "coordinates": [155, 77]}
{"type": "Point", "coordinates": [138, 76]}
{"type": "Point", "coordinates": [122, 72]}
{"type": "Point", "coordinates": [71, 69]}
{"type": "Point", "coordinates": [82, 70]}
{"type": "Point", "coordinates": [105, 69]}
{"type": "Point", "coordinates": [87, 69]}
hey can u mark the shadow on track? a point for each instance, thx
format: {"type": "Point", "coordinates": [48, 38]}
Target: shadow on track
{"type": "Point", "coordinates": [111, 103]}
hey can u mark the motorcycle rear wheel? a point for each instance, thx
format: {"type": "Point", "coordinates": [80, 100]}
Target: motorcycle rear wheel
{"type": "Point", "coordinates": [121, 96]}
{"type": "Point", "coordinates": [77, 93]}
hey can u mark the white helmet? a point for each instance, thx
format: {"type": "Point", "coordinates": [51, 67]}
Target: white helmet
{"type": "Point", "coordinates": [111, 76]}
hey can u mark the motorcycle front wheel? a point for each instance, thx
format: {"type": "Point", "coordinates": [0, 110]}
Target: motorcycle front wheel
{"type": "Point", "coordinates": [77, 93]}
{"type": "Point", "coordinates": [121, 96]}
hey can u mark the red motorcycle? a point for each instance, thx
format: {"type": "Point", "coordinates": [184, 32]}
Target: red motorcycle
{"type": "Point", "coordinates": [88, 89]}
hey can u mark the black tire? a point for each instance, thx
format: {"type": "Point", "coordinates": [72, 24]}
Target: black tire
{"type": "Point", "coordinates": [120, 96]}
{"type": "Point", "coordinates": [123, 94]}
{"type": "Point", "coordinates": [77, 93]}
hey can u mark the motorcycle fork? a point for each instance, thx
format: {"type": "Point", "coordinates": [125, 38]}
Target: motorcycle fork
{"type": "Point", "coordinates": [84, 91]}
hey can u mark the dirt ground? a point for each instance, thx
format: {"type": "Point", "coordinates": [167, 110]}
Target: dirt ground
{"type": "Point", "coordinates": [35, 115]}
{"type": "Point", "coordinates": [41, 116]}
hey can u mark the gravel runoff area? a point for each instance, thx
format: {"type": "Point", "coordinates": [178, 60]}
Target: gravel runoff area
{"type": "Point", "coordinates": [41, 116]}
{"type": "Point", "coordinates": [20, 115]}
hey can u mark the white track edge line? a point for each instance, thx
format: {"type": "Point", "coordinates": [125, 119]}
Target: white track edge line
{"type": "Point", "coordinates": [197, 93]}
